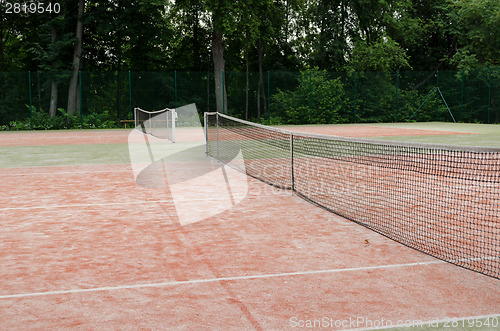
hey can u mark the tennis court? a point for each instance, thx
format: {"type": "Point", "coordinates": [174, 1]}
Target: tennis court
{"type": "Point", "coordinates": [85, 243]}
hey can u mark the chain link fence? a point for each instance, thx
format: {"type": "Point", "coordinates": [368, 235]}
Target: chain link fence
{"type": "Point", "coordinates": [107, 99]}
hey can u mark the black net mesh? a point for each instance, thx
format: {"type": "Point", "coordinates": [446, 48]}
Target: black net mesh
{"type": "Point", "coordinates": [160, 124]}
{"type": "Point", "coordinates": [441, 200]}
{"type": "Point", "coordinates": [265, 152]}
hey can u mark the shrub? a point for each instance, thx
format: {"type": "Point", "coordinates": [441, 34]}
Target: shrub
{"type": "Point", "coordinates": [317, 99]}
{"type": "Point", "coordinates": [41, 120]}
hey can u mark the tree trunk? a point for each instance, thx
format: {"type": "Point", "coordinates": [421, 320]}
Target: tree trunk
{"type": "Point", "coordinates": [53, 82]}
{"type": "Point", "coordinates": [218, 56]}
{"type": "Point", "coordinates": [53, 98]}
{"type": "Point", "coordinates": [73, 84]}
{"type": "Point", "coordinates": [260, 53]}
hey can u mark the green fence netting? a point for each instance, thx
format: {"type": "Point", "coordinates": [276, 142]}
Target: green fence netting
{"type": "Point", "coordinates": [277, 97]}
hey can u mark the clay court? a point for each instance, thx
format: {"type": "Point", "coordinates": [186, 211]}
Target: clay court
{"type": "Point", "coordinates": [84, 246]}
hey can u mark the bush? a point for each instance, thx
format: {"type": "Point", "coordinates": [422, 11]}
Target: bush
{"type": "Point", "coordinates": [318, 99]}
{"type": "Point", "coordinates": [41, 120]}
{"type": "Point", "coordinates": [274, 120]}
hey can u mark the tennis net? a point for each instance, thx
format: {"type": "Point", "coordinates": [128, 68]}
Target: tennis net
{"type": "Point", "coordinates": [441, 200]}
{"type": "Point", "coordinates": [160, 123]}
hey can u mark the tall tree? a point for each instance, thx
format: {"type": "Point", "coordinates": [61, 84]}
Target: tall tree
{"type": "Point", "coordinates": [476, 29]}
{"type": "Point", "coordinates": [222, 20]}
{"type": "Point", "coordinates": [329, 40]}
{"type": "Point", "coordinates": [13, 29]}
{"type": "Point", "coordinates": [428, 43]}
{"type": "Point", "coordinates": [54, 91]}
{"type": "Point", "coordinates": [51, 50]}
{"type": "Point", "coordinates": [77, 54]}
{"type": "Point", "coordinates": [189, 44]}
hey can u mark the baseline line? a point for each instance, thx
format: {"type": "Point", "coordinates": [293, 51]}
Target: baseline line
{"type": "Point", "coordinates": [222, 279]}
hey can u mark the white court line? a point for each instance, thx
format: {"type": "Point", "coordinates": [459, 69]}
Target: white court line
{"type": "Point", "coordinates": [128, 169]}
{"type": "Point", "coordinates": [142, 202]}
{"type": "Point", "coordinates": [213, 280]}
{"type": "Point", "coordinates": [67, 172]}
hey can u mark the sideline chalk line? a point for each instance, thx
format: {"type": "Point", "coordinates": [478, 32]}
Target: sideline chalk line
{"type": "Point", "coordinates": [221, 279]}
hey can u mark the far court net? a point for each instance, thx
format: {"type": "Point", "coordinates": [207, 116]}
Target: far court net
{"type": "Point", "coordinates": [160, 123]}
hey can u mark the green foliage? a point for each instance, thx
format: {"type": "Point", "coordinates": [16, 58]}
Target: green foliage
{"type": "Point", "coordinates": [374, 38]}
{"type": "Point", "coordinates": [476, 27]}
{"type": "Point", "coordinates": [40, 120]}
{"type": "Point", "coordinates": [375, 96]}
{"type": "Point", "coordinates": [317, 99]}
{"type": "Point", "coordinates": [274, 120]}
{"type": "Point", "coordinates": [126, 35]}
{"type": "Point", "coordinates": [383, 55]}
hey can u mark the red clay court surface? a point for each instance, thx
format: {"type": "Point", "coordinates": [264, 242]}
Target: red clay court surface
{"type": "Point", "coordinates": [86, 247]}
{"type": "Point", "coordinates": [120, 136]}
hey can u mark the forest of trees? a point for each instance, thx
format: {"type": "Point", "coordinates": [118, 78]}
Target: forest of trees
{"type": "Point", "coordinates": [229, 56]}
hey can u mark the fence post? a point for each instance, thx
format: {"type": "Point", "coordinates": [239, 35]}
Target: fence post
{"type": "Point", "coordinates": [208, 90]}
{"type": "Point", "coordinates": [397, 94]}
{"type": "Point", "coordinates": [81, 96]}
{"type": "Point", "coordinates": [437, 96]}
{"type": "Point", "coordinates": [130, 95]}
{"type": "Point", "coordinates": [354, 75]}
{"type": "Point", "coordinates": [462, 97]}
{"type": "Point", "coordinates": [31, 108]}
{"type": "Point", "coordinates": [175, 87]}
{"type": "Point", "coordinates": [268, 97]}
{"type": "Point", "coordinates": [223, 94]}
{"type": "Point", "coordinates": [489, 97]}
{"type": "Point", "coordinates": [310, 96]}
